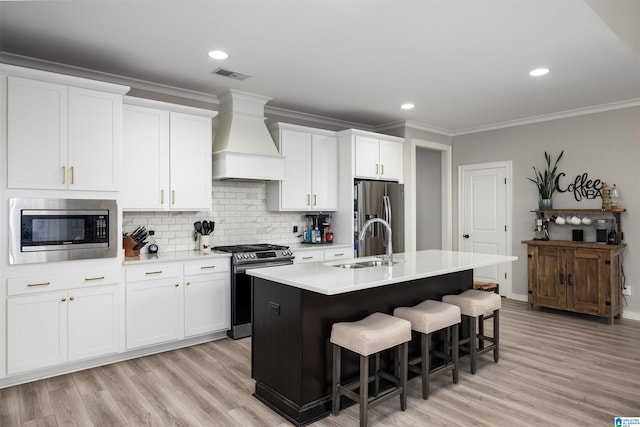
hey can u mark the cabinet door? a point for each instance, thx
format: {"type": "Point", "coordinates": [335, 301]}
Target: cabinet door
{"type": "Point", "coordinates": [190, 162]}
{"type": "Point", "coordinates": [145, 159]}
{"type": "Point", "coordinates": [547, 267]}
{"type": "Point", "coordinates": [295, 190]}
{"type": "Point", "coordinates": [95, 127]}
{"type": "Point", "coordinates": [154, 312]}
{"type": "Point", "coordinates": [588, 281]}
{"type": "Point", "coordinates": [390, 161]}
{"type": "Point", "coordinates": [94, 322]}
{"type": "Point", "coordinates": [324, 178]}
{"type": "Point", "coordinates": [367, 155]}
{"type": "Point", "coordinates": [36, 331]}
{"type": "Point", "coordinates": [37, 134]}
{"type": "Point", "coordinates": [206, 303]}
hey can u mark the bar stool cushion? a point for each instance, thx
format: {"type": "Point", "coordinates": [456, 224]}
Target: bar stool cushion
{"type": "Point", "coordinates": [372, 334]}
{"type": "Point", "coordinates": [430, 316]}
{"type": "Point", "coordinates": [474, 302]}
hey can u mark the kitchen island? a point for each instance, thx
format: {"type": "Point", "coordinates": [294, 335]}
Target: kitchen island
{"type": "Point", "coordinates": [295, 306]}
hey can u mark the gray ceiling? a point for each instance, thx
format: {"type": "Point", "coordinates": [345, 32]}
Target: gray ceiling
{"type": "Point", "coordinates": [464, 64]}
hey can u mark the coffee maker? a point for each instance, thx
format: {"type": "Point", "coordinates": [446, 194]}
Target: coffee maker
{"type": "Point", "coordinates": [541, 227]}
{"type": "Point", "coordinates": [602, 230]}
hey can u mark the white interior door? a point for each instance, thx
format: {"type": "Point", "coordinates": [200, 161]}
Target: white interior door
{"type": "Point", "coordinates": [484, 218]}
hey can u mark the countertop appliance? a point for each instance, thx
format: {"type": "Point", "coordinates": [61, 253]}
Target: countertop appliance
{"type": "Point", "coordinates": [45, 230]}
{"type": "Point", "coordinates": [246, 257]}
{"type": "Point", "coordinates": [378, 199]}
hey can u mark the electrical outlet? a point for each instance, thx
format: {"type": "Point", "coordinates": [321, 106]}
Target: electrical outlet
{"type": "Point", "coordinates": [626, 291]}
{"type": "Point", "coordinates": [274, 308]}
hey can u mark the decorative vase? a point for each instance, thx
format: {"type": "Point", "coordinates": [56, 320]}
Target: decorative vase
{"type": "Point", "coordinates": [545, 204]}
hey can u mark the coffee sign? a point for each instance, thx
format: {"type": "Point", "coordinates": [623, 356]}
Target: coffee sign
{"type": "Point", "coordinates": [581, 187]}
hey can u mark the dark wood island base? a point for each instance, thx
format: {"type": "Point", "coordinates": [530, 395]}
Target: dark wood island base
{"type": "Point", "coordinates": [291, 354]}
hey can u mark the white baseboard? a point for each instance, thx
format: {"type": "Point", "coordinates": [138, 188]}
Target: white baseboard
{"type": "Point", "coordinates": [519, 297]}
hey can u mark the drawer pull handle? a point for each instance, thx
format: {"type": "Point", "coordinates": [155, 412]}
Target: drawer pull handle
{"type": "Point", "coordinates": [39, 284]}
{"type": "Point", "coordinates": [307, 257]}
{"type": "Point", "coordinates": [204, 267]}
{"type": "Point", "coordinates": [340, 254]}
{"type": "Point", "coordinates": [88, 279]}
{"type": "Point", "coordinates": [153, 272]}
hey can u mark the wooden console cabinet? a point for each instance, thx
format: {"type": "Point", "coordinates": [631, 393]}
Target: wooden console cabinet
{"type": "Point", "coordinates": [576, 276]}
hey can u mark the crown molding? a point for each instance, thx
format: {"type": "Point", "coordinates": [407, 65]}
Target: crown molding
{"type": "Point", "coordinates": [337, 123]}
{"type": "Point", "coordinates": [135, 84]}
{"type": "Point", "coordinates": [629, 103]}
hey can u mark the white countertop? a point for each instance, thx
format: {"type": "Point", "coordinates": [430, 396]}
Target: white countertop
{"type": "Point", "coordinates": [325, 278]}
{"type": "Point", "coordinates": [173, 256]}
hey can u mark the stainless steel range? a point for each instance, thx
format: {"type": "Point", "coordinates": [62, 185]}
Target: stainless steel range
{"type": "Point", "coordinates": [246, 257]}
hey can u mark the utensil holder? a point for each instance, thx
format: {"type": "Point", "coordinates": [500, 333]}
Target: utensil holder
{"type": "Point", "coordinates": [205, 242]}
{"type": "Point", "coordinates": [129, 244]}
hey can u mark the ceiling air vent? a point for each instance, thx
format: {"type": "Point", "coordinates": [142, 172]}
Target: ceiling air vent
{"type": "Point", "coordinates": [230, 74]}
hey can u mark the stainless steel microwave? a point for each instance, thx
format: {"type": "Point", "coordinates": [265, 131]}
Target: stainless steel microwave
{"type": "Point", "coordinates": [45, 230]}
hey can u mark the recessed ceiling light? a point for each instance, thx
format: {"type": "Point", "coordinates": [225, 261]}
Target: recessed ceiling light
{"type": "Point", "coordinates": [538, 72]}
{"type": "Point", "coordinates": [218, 54]}
{"type": "Point", "coordinates": [407, 106]}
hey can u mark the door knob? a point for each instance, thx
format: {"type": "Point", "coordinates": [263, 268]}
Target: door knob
{"type": "Point", "coordinates": [466, 236]}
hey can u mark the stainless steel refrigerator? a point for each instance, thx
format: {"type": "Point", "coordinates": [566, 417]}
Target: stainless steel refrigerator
{"type": "Point", "coordinates": [378, 199]}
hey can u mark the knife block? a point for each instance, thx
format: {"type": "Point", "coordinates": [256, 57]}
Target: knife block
{"type": "Point", "coordinates": [129, 244]}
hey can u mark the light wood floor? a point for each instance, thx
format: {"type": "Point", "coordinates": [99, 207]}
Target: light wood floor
{"type": "Point", "coordinates": [555, 369]}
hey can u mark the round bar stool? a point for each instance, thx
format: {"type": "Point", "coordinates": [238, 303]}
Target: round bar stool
{"type": "Point", "coordinates": [426, 318]}
{"type": "Point", "coordinates": [474, 304]}
{"type": "Point", "coordinates": [371, 335]}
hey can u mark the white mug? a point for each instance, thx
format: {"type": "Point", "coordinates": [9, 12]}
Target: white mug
{"type": "Point", "coordinates": [560, 220]}
{"type": "Point", "coordinates": [586, 220]}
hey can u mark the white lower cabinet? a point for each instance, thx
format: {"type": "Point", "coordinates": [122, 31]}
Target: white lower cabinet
{"type": "Point", "coordinates": [172, 301]}
{"type": "Point", "coordinates": [207, 297]}
{"type": "Point", "coordinates": [154, 304]}
{"type": "Point", "coordinates": [50, 328]}
{"type": "Point", "coordinates": [317, 255]}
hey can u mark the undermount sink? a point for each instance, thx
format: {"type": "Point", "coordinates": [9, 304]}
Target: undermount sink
{"type": "Point", "coordinates": [363, 264]}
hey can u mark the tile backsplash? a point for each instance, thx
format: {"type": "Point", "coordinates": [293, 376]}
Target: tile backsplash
{"type": "Point", "coordinates": [239, 211]}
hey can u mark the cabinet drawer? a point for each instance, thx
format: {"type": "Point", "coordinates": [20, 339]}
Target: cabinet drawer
{"type": "Point", "coordinates": [153, 271]}
{"type": "Point", "coordinates": [309, 256]}
{"type": "Point", "coordinates": [205, 266]}
{"type": "Point", "coordinates": [337, 253]}
{"type": "Point", "coordinates": [62, 281]}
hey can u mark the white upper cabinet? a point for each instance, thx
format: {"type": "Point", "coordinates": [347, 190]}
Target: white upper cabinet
{"type": "Point", "coordinates": [62, 137]}
{"type": "Point", "coordinates": [310, 170]}
{"type": "Point", "coordinates": [377, 159]}
{"type": "Point", "coordinates": [166, 162]}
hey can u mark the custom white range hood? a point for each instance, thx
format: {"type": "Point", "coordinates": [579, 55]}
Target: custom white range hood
{"type": "Point", "coordinates": [243, 148]}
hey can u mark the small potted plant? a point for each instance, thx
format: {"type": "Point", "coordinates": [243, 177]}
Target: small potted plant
{"type": "Point", "coordinates": [546, 181]}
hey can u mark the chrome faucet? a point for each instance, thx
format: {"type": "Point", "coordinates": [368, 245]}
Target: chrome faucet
{"type": "Point", "coordinates": [389, 256]}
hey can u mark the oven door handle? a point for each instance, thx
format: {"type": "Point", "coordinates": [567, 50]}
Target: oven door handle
{"type": "Point", "coordinates": [243, 268]}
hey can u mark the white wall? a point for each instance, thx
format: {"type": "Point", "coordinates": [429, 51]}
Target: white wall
{"type": "Point", "coordinates": [606, 145]}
